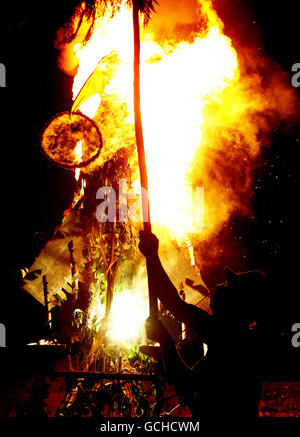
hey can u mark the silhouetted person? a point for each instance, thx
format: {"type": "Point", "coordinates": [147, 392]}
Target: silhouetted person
{"type": "Point", "coordinates": [227, 381]}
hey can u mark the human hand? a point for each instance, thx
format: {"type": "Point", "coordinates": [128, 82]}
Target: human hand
{"type": "Point", "coordinates": [156, 330]}
{"type": "Point", "coordinates": [148, 244]}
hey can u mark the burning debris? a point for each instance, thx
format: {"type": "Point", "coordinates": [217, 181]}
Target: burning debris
{"type": "Point", "coordinates": [72, 140]}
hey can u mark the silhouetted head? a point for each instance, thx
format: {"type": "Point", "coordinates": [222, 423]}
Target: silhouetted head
{"type": "Point", "coordinates": [242, 296]}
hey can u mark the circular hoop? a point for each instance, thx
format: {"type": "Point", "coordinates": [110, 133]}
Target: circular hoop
{"type": "Point", "coordinates": [64, 133]}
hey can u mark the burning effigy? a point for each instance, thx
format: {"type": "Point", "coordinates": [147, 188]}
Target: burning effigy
{"type": "Point", "coordinates": [207, 108]}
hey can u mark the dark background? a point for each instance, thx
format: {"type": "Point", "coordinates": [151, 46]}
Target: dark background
{"type": "Point", "coordinates": [35, 192]}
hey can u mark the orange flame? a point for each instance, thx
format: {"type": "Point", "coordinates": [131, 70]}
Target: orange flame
{"type": "Point", "coordinates": [206, 111]}
{"type": "Point", "coordinates": [78, 154]}
{"type": "Point", "coordinates": [175, 87]}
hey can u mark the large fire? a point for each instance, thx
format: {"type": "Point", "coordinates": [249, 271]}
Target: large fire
{"type": "Point", "coordinates": [205, 115]}
{"type": "Point", "coordinates": [176, 84]}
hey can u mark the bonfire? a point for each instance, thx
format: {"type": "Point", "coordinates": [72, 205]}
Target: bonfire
{"type": "Point", "coordinates": [179, 146]}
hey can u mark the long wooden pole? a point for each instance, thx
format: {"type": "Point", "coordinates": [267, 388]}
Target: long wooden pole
{"type": "Point", "coordinates": [140, 147]}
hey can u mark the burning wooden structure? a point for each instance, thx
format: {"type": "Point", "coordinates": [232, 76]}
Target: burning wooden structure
{"type": "Point", "coordinates": [206, 113]}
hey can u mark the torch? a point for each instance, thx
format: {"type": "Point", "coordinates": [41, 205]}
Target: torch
{"type": "Point", "coordinates": [138, 5]}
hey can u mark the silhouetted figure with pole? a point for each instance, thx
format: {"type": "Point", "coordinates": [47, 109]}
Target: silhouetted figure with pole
{"type": "Point", "coordinates": [226, 382]}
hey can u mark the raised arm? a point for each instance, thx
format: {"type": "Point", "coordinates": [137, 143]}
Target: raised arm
{"type": "Point", "coordinates": [165, 290]}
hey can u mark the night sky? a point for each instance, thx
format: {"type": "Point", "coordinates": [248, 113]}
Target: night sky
{"type": "Point", "coordinates": [35, 192]}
